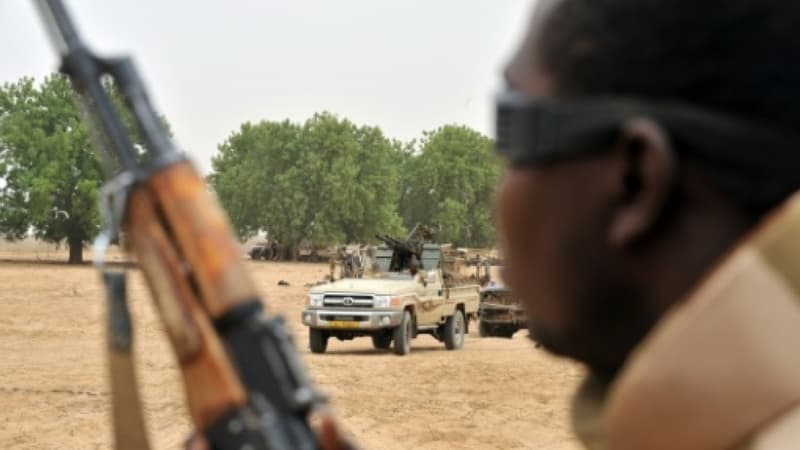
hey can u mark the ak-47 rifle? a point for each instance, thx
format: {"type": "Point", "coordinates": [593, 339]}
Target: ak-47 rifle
{"type": "Point", "coordinates": [245, 385]}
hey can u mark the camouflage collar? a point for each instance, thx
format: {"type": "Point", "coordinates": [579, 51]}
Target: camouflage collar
{"type": "Point", "coordinates": [721, 366]}
{"type": "Point", "coordinates": [587, 412]}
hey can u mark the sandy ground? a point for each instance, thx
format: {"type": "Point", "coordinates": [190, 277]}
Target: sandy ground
{"type": "Point", "coordinates": [492, 394]}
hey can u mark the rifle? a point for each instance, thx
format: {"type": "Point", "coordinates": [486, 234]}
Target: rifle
{"type": "Point", "coordinates": [244, 383]}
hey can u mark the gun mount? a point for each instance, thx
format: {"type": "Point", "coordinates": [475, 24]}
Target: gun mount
{"type": "Point", "coordinates": [403, 251]}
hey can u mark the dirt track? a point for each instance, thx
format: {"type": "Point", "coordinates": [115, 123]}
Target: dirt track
{"type": "Point", "coordinates": [492, 394]}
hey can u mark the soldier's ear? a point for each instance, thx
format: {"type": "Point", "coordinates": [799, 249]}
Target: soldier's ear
{"type": "Point", "coordinates": [646, 174]}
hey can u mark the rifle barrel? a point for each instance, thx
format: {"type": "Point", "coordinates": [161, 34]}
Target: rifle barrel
{"type": "Point", "coordinates": [86, 70]}
{"type": "Point", "coordinates": [62, 32]}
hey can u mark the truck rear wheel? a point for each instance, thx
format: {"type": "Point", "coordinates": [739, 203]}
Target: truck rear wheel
{"type": "Point", "coordinates": [484, 330]}
{"type": "Point", "coordinates": [454, 331]}
{"type": "Point", "coordinates": [317, 340]}
{"type": "Point", "coordinates": [382, 341]}
{"type": "Point", "coordinates": [402, 335]}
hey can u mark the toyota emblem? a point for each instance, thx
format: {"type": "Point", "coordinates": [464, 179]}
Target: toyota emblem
{"type": "Point", "coordinates": [348, 301]}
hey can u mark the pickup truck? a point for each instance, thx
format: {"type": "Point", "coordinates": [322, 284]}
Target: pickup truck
{"type": "Point", "coordinates": [501, 314]}
{"type": "Point", "coordinates": [412, 290]}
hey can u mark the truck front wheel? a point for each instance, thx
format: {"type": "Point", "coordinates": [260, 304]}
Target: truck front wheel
{"type": "Point", "coordinates": [382, 341]}
{"type": "Point", "coordinates": [402, 335]}
{"type": "Point", "coordinates": [454, 331]}
{"type": "Point", "coordinates": [317, 340]}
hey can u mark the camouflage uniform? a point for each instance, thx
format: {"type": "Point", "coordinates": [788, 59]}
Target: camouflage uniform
{"type": "Point", "coordinates": [720, 371]}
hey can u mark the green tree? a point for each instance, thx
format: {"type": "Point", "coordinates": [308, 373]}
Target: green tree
{"type": "Point", "coordinates": [368, 188]}
{"type": "Point", "coordinates": [448, 182]}
{"type": "Point", "coordinates": [323, 182]}
{"type": "Point", "coordinates": [50, 176]}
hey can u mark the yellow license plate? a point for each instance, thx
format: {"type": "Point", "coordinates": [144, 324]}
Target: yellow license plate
{"type": "Point", "coordinates": [343, 324]}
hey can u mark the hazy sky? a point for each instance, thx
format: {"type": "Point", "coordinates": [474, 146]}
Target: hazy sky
{"type": "Point", "coordinates": [210, 65]}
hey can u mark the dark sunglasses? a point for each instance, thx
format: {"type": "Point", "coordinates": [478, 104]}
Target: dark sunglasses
{"type": "Point", "coordinates": [536, 131]}
{"type": "Point", "coordinates": [754, 162]}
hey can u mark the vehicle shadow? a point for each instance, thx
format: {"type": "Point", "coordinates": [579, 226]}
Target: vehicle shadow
{"type": "Point", "coordinates": [372, 352]}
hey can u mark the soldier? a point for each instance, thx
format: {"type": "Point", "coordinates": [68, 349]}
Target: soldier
{"type": "Point", "coordinates": [646, 142]}
{"type": "Point", "coordinates": [337, 261]}
{"type": "Point", "coordinates": [345, 260]}
{"type": "Point", "coordinates": [416, 271]}
{"type": "Point", "coordinates": [413, 266]}
{"type": "Point", "coordinates": [275, 250]}
{"type": "Point", "coordinates": [266, 251]}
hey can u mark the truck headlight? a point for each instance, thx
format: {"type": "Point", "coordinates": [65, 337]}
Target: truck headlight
{"type": "Point", "coordinates": [382, 301]}
{"type": "Point", "coordinates": [315, 299]}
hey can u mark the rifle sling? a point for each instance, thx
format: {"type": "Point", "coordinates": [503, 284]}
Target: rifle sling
{"type": "Point", "coordinates": [129, 428]}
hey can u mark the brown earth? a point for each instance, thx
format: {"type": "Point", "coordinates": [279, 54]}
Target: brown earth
{"type": "Point", "coordinates": [492, 394]}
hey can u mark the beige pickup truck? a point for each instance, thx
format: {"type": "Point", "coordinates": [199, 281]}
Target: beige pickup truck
{"type": "Point", "coordinates": [393, 304]}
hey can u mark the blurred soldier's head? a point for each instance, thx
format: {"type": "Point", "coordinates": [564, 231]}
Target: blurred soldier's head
{"type": "Point", "coordinates": [643, 139]}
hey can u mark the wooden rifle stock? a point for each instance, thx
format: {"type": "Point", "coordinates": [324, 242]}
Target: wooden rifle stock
{"type": "Point", "coordinates": [185, 247]}
{"type": "Point", "coordinates": [202, 236]}
{"type": "Point", "coordinates": [156, 228]}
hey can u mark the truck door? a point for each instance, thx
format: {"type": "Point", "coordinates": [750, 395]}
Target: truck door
{"type": "Point", "coordinates": [435, 305]}
{"type": "Point", "coordinates": [429, 308]}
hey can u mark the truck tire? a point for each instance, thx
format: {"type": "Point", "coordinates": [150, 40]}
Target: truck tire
{"type": "Point", "coordinates": [454, 331]}
{"type": "Point", "coordinates": [317, 340]}
{"type": "Point", "coordinates": [507, 331]}
{"type": "Point", "coordinates": [382, 341]}
{"type": "Point", "coordinates": [484, 329]}
{"type": "Point", "coordinates": [402, 335]}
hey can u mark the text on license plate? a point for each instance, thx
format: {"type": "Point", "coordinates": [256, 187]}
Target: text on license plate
{"type": "Point", "coordinates": [343, 324]}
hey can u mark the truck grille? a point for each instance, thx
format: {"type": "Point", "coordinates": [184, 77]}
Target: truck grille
{"type": "Point", "coordinates": [336, 317]}
{"type": "Point", "coordinates": [348, 301]}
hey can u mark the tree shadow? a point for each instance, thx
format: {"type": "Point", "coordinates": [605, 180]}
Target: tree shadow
{"type": "Point", "coordinates": [61, 263]}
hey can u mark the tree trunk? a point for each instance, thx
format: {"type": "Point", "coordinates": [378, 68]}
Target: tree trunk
{"type": "Point", "coordinates": [75, 251]}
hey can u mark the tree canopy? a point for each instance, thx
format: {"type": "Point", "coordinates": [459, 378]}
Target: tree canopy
{"type": "Point", "coordinates": [49, 175]}
{"type": "Point", "coordinates": [329, 181]}
{"type": "Point", "coordinates": [448, 182]}
{"type": "Point", "coordinates": [322, 182]}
